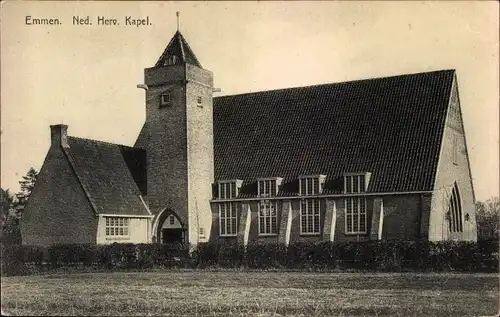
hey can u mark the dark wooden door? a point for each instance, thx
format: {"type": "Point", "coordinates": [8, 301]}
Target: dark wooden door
{"type": "Point", "coordinates": [172, 235]}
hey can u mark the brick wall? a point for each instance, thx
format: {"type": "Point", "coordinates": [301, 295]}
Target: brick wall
{"type": "Point", "coordinates": [180, 148]}
{"type": "Point", "coordinates": [402, 219]}
{"type": "Point", "coordinates": [453, 168]}
{"type": "Point", "coordinates": [166, 149]}
{"type": "Point", "coordinates": [58, 210]}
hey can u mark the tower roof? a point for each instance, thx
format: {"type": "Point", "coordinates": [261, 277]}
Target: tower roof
{"type": "Point", "coordinates": [177, 52]}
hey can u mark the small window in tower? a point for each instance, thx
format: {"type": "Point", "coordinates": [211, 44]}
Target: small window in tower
{"type": "Point", "coordinates": [165, 100]}
{"type": "Point", "coordinates": [199, 101]}
{"type": "Point", "coordinates": [172, 219]}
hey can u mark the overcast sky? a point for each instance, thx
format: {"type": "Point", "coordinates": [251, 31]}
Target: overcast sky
{"type": "Point", "coordinates": [86, 76]}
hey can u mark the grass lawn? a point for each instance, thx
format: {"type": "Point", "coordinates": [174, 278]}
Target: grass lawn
{"type": "Point", "coordinates": [232, 293]}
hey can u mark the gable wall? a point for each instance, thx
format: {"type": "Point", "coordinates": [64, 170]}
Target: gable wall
{"type": "Point", "coordinates": [449, 172]}
{"type": "Point", "coordinates": [58, 210]}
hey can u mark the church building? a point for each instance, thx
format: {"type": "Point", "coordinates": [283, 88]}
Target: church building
{"type": "Point", "coordinates": [372, 159]}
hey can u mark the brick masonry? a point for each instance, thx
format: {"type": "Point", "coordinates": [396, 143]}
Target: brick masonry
{"type": "Point", "coordinates": [180, 148]}
{"type": "Point", "coordinates": [404, 217]}
{"type": "Point", "coordinates": [58, 210]}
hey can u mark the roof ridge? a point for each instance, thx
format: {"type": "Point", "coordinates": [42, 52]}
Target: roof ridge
{"type": "Point", "coordinates": [336, 83]}
{"type": "Point", "coordinates": [181, 45]}
{"type": "Point", "coordinates": [184, 41]}
{"type": "Point", "coordinates": [105, 142]}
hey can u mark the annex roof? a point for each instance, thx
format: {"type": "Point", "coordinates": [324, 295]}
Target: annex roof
{"type": "Point", "coordinates": [113, 176]}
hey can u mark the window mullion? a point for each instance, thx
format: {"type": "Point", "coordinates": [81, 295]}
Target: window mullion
{"type": "Point", "coordinates": [265, 218]}
{"type": "Point", "coordinates": [307, 214]}
{"type": "Point", "coordinates": [359, 214]}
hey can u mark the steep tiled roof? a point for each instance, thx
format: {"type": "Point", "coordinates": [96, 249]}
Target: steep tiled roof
{"type": "Point", "coordinates": [143, 138]}
{"type": "Point", "coordinates": [110, 174]}
{"type": "Point", "coordinates": [179, 48]}
{"type": "Point", "coordinates": [391, 127]}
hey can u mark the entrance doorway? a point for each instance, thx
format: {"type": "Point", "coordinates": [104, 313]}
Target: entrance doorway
{"type": "Point", "coordinates": [172, 230]}
{"type": "Point", "coordinates": [172, 235]}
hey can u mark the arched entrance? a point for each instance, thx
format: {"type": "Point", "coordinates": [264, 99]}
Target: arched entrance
{"type": "Point", "coordinates": [169, 228]}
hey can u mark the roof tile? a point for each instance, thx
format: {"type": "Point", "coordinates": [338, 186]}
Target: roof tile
{"type": "Point", "coordinates": [108, 172]}
{"type": "Point", "coordinates": [391, 127]}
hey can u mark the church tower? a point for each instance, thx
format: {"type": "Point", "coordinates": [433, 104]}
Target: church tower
{"type": "Point", "coordinates": [178, 138]}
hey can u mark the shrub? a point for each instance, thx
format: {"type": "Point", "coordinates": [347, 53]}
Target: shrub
{"type": "Point", "coordinates": [12, 259]}
{"type": "Point", "coordinates": [219, 253]}
{"type": "Point", "coordinates": [265, 255]}
{"type": "Point", "coordinates": [390, 256]}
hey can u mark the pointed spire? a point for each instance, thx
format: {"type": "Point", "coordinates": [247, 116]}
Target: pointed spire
{"type": "Point", "coordinates": [177, 51]}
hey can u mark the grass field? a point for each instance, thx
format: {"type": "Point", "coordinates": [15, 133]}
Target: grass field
{"type": "Point", "coordinates": [204, 293]}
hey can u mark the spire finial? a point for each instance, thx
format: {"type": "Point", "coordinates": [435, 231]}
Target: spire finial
{"type": "Point", "coordinates": [177, 13]}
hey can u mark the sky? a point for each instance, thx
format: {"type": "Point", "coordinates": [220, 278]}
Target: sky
{"type": "Point", "coordinates": [85, 76]}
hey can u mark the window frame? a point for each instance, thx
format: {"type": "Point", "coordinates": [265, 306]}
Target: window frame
{"type": "Point", "coordinates": [268, 218]}
{"type": "Point", "coordinates": [164, 102]}
{"type": "Point", "coordinates": [455, 211]}
{"type": "Point", "coordinates": [308, 215]}
{"type": "Point", "coordinates": [232, 208]}
{"type": "Point", "coordinates": [316, 182]}
{"type": "Point", "coordinates": [122, 223]}
{"type": "Point", "coordinates": [353, 216]}
{"type": "Point", "coordinates": [362, 180]}
{"type": "Point", "coordinates": [234, 189]}
{"type": "Point", "coordinates": [267, 183]}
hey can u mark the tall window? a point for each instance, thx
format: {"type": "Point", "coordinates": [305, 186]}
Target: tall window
{"type": "Point", "coordinates": [310, 216]}
{"type": "Point", "coordinates": [116, 227]}
{"type": "Point", "coordinates": [228, 215]}
{"type": "Point", "coordinates": [355, 183]}
{"type": "Point", "coordinates": [268, 217]}
{"type": "Point", "coordinates": [228, 219]}
{"type": "Point", "coordinates": [310, 208]}
{"type": "Point", "coordinates": [355, 215]}
{"type": "Point", "coordinates": [455, 211]}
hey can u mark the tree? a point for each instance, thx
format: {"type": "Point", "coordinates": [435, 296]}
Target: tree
{"type": "Point", "coordinates": [488, 219]}
{"type": "Point", "coordinates": [10, 232]}
{"type": "Point", "coordinates": [27, 185]}
{"type": "Point", "coordinates": [6, 200]}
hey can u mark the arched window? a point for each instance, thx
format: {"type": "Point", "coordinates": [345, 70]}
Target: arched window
{"type": "Point", "coordinates": [455, 211]}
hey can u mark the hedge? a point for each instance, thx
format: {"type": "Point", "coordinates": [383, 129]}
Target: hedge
{"type": "Point", "coordinates": [380, 256]}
